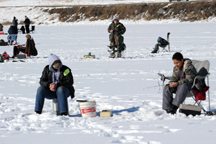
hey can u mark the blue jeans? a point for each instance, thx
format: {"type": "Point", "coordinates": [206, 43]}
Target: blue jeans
{"type": "Point", "coordinates": [12, 37]}
{"type": "Point", "coordinates": [62, 93]}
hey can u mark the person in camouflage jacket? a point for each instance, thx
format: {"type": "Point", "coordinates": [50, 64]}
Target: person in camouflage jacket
{"type": "Point", "coordinates": [116, 30]}
{"type": "Point", "coordinates": [180, 83]}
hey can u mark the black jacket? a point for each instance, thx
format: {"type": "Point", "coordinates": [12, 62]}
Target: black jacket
{"type": "Point", "coordinates": [67, 81]}
{"type": "Point", "coordinates": [15, 23]}
{"type": "Point", "coordinates": [13, 30]}
{"type": "Point", "coordinates": [119, 28]}
{"type": "Point", "coordinates": [27, 21]}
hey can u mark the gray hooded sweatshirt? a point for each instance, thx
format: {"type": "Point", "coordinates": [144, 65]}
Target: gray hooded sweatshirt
{"type": "Point", "coordinates": [51, 59]}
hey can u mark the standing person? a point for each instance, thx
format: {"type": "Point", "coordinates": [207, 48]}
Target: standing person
{"type": "Point", "coordinates": [1, 27]}
{"type": "Point", "coordinates": [15, 22]}
{"type": "Point", "coordinates": [181, 81]}
{"type": "Point", "coordinates": [116, 30]}
{"type": "Point", "coordinates": [56, 82]}
{"type": "Point", "coordinates": [12, 31]}
{"type": "Point", "coordinates": [28, 49]}
{"type": "Point", "coordinates": [27, 24]}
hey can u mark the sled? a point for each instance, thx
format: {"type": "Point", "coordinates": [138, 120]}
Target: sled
{"type": "Point", "coordinates": [89, 56]}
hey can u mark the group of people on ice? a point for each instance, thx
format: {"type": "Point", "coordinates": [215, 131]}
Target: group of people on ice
{"type": "Point", "coordinates": [117, 45]}
{"type": "Point", "coordinates": [57, 82]}
{"type": "Point", "coordinates": [57, 79]}
{"type": "Point", "coordinates": [13, 30]}
{"type": "Point", "coordinates": [28, 48]}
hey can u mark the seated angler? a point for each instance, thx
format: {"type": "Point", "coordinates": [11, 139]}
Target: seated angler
{"type": "Point", "coordinates": [29, 49]}
{"type": "Point", "coordinates": [56, 82]}
{"type": "Point", "coordinates": [181, 81]}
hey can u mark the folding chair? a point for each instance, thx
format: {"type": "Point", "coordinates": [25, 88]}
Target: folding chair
{"type": "Point", "coordinates": [161, 42]}
{"type": "Point", "coordinates": [21, 30]}
{"type": "Point", "coordinates": [202, 68]}
{"type": "Point", "coordinates": [164, 43]}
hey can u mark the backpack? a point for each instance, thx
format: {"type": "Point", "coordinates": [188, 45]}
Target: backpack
{"type": "Point", "coordinates": [5, 56]}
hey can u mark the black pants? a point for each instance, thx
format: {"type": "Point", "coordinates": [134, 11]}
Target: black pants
{"type": "Point", "coordinates": [27, 29]}
{"type": "Point", "coordinates": [3, 43]}
{"type": "Point", "coordinates": [16, 50]}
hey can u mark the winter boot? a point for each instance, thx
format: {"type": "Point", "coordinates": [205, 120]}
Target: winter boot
{"type": "Point", "coordinates": [172, 110]}
{"type": "Point", "coordinates": [112, 55]}
{"type": "Point", "coordinates": [64, 114]}
{"type": "Point", "coordinates": [118, 55]}
{"type": "Point", "coordinates": [38, 112]}
{"type": "Point", "coordinates": [156, 48]}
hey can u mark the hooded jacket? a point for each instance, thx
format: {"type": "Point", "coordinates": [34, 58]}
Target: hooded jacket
{"type": "Point", "coordinates": [30, 47]}
{"type": "Point", "coordinates": [65, 77]}
{"type": "Point", "coordinates": [118, 28]}
{"type": "Point", "coordinates": [13, 30]}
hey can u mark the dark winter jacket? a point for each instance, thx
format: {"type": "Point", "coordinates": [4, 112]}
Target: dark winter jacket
{"type": "Point", "coordinates": [65, 77]}
{"type": "Point", "coordinates": [1, 27]}
{"type": "Point", "coordinates": [119, 29]}
{"type": "Point", "coordinates": [27, 21]}
{"type": "Point", "coordinates": [30, 47]}
{"type": "Point", "coordinates": [13, 30]}
{"type": "Point", "coordinates": [15, 23]}
{"type": "Point", "coordinates": [189, 73]}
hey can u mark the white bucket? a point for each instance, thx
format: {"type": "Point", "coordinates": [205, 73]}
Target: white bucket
{"type": "Point", "coordinates": [88, 108]}
{"type": "Point", "coordinates": [56, 107]}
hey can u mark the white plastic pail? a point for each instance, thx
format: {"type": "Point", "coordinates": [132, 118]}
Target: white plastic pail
{"type": "Point", "coordinates": [56, 107]}
{"type": "Point", "coordinates": [88, 108]}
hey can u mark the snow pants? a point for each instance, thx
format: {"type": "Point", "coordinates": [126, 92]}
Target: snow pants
{"type": "Point", "coordinates": [181, 93]}
{"type": "Point", "coordinates": [117, 41]}
{"type": "Point", "coordinates": [62, 93]}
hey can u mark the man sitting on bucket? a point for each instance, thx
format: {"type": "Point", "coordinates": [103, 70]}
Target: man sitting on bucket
{"type": "Point", "coordinates": [56, 82]}
{"type": "Point", "coordinates": [181, 81]}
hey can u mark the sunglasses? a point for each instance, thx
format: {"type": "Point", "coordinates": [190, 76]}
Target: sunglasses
{"type": "Point", "coordinates": [56, 65]}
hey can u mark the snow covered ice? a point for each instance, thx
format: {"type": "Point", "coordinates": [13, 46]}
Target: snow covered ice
{"type": "Point", "coordinates": [120, 85]}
